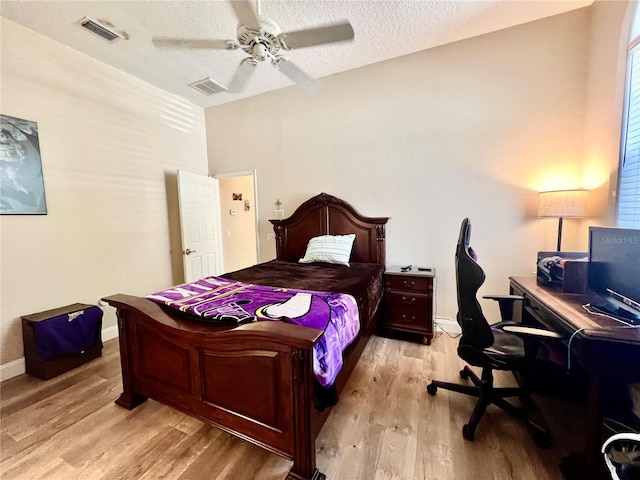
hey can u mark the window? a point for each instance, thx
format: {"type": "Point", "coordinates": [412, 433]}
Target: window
{"type": "Point", "coordinates": [629, 174]}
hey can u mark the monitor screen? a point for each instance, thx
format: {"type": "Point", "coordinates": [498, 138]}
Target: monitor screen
{"type": "Point", "coordinates": [614, 267]}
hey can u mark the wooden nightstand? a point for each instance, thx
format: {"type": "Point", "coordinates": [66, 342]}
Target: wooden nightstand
{"type": "Point", "coordinates": [409, 301]}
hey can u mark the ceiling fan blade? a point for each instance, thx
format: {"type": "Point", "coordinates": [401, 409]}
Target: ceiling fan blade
{"type": "Point", "coordinates": [310, 85]}
{"type": "Point", "coordinates": [338, 32]}
{"type": "Point", "coordinates": [242, 76]}
{"type": "Point", "coordinates": [166, 42]}
{"type": "Point", "coordinates": [246, 15]}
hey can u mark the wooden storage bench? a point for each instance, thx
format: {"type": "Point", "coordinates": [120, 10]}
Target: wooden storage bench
{"type": "Point", "coordinates": [58, 340]}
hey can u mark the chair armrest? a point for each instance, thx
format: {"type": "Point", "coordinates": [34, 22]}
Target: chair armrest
{"type": "Point", "coordinates": [529, 331]}
{"type": "Point", "coordinates": [619, 452]}
{"type": "Point", "coordinates": [505, 302]}
{"type": "Point", "coordinates": [511, 298]}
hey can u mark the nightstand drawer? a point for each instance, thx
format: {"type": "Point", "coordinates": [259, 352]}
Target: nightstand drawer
{"type": "Point", "coordinates": [408, 300]}
{"type": "Point", "coordinates": [409, 310]}
{"type": "Point", "coordinates": [407, 320]}
{"type": "Point", "coordinates": [409, 282]}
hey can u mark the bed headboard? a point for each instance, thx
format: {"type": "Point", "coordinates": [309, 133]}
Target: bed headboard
{"type": "Point", "coordinates": [325, 214]}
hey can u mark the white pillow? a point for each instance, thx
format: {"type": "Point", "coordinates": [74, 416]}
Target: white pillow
{"type": "Point", "coordinates": [329, 249]}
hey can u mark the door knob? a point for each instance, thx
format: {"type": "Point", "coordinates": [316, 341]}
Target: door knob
{"type": "Point", "coordinates": [188, 251]}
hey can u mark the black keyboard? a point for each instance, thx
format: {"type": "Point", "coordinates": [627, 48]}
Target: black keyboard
{"type": "Point", "coordinates": [617, 313]}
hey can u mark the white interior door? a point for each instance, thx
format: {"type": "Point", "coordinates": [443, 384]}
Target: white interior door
{"type": "Point", "coordinates": [199, 204]}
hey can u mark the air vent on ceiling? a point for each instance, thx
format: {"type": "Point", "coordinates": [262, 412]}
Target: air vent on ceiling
{"type": "Point", "coordinates": [99, 29]}
{"type": "Point", "coordinates": [208, 86]}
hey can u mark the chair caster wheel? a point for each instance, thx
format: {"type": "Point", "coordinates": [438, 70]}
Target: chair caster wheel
{"type": "Point", "coordinates": [542, 439]}
{"type": "Point", "coordinates": [432, 389]}
{"type": "Point", "coordinates": [463, 374]}
{"type": "Point", "coordinates": [468, 432]}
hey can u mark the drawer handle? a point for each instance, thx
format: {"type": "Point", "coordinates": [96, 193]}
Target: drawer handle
{"type": "Point", "coordinates": [408, 284]}
{"type": "Point", "coordinates": [406, 300]}
{"type": "Point", "coordinates": [407, 319]}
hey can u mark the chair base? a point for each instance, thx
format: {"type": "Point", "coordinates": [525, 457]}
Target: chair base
{"type": "Point", "coordinates": [489, 395]}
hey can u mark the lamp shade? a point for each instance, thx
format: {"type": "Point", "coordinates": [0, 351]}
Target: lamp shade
{"type": "Point", "coordinates": [563, 203]}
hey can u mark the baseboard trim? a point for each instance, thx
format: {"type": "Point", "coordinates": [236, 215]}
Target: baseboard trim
{"type": "Point", "coordinates": [447, 325]}
{"type": "Point", "coordinates": [109, 333]}
{"type": "Point", "coordinates": [12, 369]}
{"type": "Point", "coordinates": [17, 367]}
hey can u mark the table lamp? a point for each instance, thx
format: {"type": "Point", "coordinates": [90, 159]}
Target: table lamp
{"type": "Point", "coordinates": [560, 204]}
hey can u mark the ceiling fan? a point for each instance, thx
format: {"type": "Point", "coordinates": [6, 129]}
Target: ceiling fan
{"type": "Point", "coordinates": [261, 38]}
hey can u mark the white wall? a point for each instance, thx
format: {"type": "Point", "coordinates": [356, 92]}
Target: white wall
{"type": "Point", "coordinates": [475, 128]}
{"type": "Point", "coordinates": [608, 42]}
{"type": "Point", "coordinates": [111, 145]}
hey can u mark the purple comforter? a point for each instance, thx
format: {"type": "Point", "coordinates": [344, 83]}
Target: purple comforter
{"type": "Point", "coordinates": [219, 299]}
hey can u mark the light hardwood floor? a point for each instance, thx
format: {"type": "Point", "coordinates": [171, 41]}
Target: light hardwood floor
{"type": "Point", "coordinates": [385, 427]}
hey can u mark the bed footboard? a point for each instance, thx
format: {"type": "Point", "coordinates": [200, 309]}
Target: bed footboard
{"type": "Point", "coordinates": [254, 381]}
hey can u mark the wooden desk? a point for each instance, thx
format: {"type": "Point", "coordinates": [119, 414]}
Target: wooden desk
{"type": "Point", "coordinates": [604, 347]}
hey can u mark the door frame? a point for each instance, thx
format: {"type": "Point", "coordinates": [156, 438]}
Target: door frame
{"type": "Point", "coordinates": [245, 173]}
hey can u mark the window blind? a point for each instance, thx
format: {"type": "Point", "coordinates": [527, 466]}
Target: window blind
{"type": "Point", "coordinates": [629, 174]}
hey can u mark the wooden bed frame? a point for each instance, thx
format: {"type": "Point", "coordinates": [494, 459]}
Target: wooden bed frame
{"type": "Point", "coordinates": [255, 380]}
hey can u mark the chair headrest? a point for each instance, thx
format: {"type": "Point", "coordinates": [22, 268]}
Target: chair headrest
{"type": "Point", "coordinates": [464, 239]}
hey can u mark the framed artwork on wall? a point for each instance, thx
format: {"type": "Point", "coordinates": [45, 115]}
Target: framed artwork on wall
{"type": "Point", "coordinates": [21, 180]}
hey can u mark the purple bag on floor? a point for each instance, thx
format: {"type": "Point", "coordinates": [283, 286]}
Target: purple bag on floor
{"type": "Point", "coordinates": [70, 333]}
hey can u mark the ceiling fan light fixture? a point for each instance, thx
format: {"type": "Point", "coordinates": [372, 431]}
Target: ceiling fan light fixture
{"type": "Point", "coordinates": [208, 86]}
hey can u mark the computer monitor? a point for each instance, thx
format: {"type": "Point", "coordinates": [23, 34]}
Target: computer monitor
{"type": "Point", "coordinates": [614, 271]}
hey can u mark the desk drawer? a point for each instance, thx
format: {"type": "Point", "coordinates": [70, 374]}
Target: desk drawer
{"type": "Point", "coordinates": [543, 315]}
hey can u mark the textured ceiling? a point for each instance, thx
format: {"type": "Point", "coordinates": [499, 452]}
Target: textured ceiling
{"type": "Point", "coordinates": [383, 30]}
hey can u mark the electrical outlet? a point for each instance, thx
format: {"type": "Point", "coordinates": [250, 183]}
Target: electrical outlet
{"type": "Point", "coordinates": [271, 237]}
